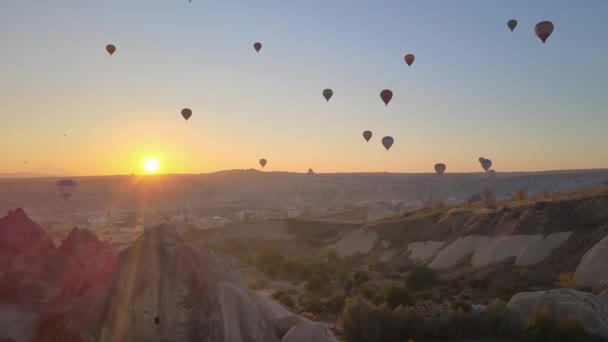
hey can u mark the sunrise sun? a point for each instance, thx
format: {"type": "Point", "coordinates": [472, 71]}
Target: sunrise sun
{"type": "Point", "coordinates": [150, 165]}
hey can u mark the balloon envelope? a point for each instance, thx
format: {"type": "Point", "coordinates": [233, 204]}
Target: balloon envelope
{"type": "Point", "coordinates": [367, 135]}
{"type": "Point", "coordinates": [491, 173]}
{"type": "Point", "coordinates": [66, 188]}
{"type": "Point", "coordinates": [257, 46]}
{"type": "Point", "coordinates": [440, 168]}
{"type": "Point", "coordinates": [328, 93]}
{"type": "Point", "coordinates": [387, 142]}
{"type": "Point", "coordinates": [481, 158]}
{"type": "Point", "coordinates": [263, 162]}
{"type": "Point", "coordinates": [543, 30]}
{"type": "Point", "coordinates": [386, 95]}
{"type": "Point", "coordinates": [186, 113]}
{"type": "Point", "coordinates": [486, 164]}
{"type": "Point", "coordinates": [409, 59]}
{"type": "Point", "coordinates": [512, 24]}
{"type": "Point", "coordinates": [111, 49]}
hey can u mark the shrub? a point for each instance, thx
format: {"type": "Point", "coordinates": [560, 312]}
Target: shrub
{"type": "Point", "coordinates": [300, 267]}
{"type": "Point", "coordinates": [491, 203]}
{"type": "Point", "coordinates": [284, 298]}
{"type": "Point", "coordinates": [459, 305]}
{"type": "Point", "coordinates": [268, 260]}
{"type": "Point", "coordinates": [330, 255]}
{"type": "Point", "coordinates": [312, 303]}
{"type": "Point", "coordinates": [359, 278]}
{"type": "Point", "coordinates": [520, 195]}
{"type": "Point", "coordinates": [542, 326]}
{"type": "Point", "coordinates": [317, 281]}
{"type": "Point", "coordinates": [334, 304]}
{"type": "Point", "coordinates": [566, 280]}
{"type": "Point", "coordinates": [364, 321]}
{"type": "Point", "coordinates": [395, 296]}
{"type": "Point", "coordinates": [257, 282]}
{"type": "Point", "coordinates": [420, 278]}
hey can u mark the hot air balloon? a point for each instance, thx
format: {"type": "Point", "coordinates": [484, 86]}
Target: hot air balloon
{"type": "Point", "coordinates": [263, 162]}
{"type": "Point", "coordinates": [491, 173]}
{"type": "Point", "coordinates": [387, 142]}
{"type": "Point", "coordinates": [186, 113]}
{"type": "Point", "coordinates": [111, 49]}
{"type": "Point", "coordinates": [386, 95]}
{"type": "Point", "coordinates": [327, 94]}
{"type": "Point", "coordinates": [486, 164]}
{"type": "Point", "coordinates": [440, 168]}
{"type": "Point", "coordinates": [543, 30]}
{"type": "Point", "coordinates": [367, 135]}
{"type": "Point", "coordinates": [257, 46]}
{"type": "Point", "coordinates": [512, 24]}
{"type": "Point", "coordinates": [481, 158]}
{"type": "Point", "coordinates": [409, 59]}
{"type": "Point", "coordinates": [66, 188]}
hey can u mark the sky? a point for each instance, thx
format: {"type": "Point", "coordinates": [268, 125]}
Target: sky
{"type": "Point", "coordinates": [476, 88]}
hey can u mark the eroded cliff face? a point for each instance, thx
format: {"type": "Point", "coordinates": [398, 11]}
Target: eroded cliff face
{"type": "Point", "coordinates": [165, 290]}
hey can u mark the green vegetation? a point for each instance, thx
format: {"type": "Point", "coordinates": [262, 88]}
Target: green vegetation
{"type": "Point", "coordinates": [394, 296]}
{"type": "Point", "coordinates": [420, 278]}
{"type": "Point", "coordinates": [268, 260]}
{"type": "Point", "coordinates": [543, 327]}
{"type": "Point", "coordinates": [284, 298]}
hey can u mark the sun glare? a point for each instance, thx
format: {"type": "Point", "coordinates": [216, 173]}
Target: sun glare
{"type": "Point", "coordinates": [150, 165]}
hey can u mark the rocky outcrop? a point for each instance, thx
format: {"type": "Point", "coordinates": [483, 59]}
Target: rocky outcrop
{"type": "Point", "coordinates": [40, 284]}
{"type": "Point", "coordinates": [19, 234]}
{"type": "Point", "coordinates": [164, 289]}
{"type": "Point", "coordinates": [586, 307]}
{"type": "Point", "coordinates": [592, 270]}
{"type": "Point", "coordinates": [309, 332]}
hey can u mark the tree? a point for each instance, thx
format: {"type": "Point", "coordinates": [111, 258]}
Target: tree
{"type": "Point", "coordinates": [395, 296]}
{"type": "Point", "coordinates": [420, 278]}
{"type": "Point", "coordinates": [268, 260]}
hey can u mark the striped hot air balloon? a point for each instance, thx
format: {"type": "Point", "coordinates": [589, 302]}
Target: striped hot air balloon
{"type": "Point", "coordinates": [66, 187]}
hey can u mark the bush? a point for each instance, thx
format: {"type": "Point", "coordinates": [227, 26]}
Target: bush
{"type": "Point", "coordinates": [268, 260]}
{"type": "Point", "coordinates": [395, 296]}
{"type": "Point", "coordinates": [284, 298]}
{"type": "Point", "coordinates": [334, 304]}
{"type": "Point", "coordinates": [458, 305]}
{"type": "Point", "coordinates": [420, 278]}
{"type": "Point", "coordinates": [312, 303]}
{"type": "Point", "coordinates": [491, 203]}
{"type": "Point", "coordinates": [364, 321]}
{"type": "Point", "coordinates": [257, 282]}
{"type": "Point", "coordinates": [566, 280]}
{"type": "Point", "coordinates": [330, 255]}
{"type": "Point", "coordinates": [542, 326]}
{"type": "Point", "coordinates": [359, 278]}
{"type": "Point", "coordinates": [520, 195]}
{"type": "Point", "coordinates": [316, 282]}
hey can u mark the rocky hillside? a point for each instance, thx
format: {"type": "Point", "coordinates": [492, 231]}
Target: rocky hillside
{"type": "Point", "coordinates": [45, 291]}
{"type": "Point", "coordinates": [164, 289]}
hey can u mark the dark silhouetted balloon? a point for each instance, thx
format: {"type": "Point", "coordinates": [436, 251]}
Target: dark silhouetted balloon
{"type": "Point", "coordinates": [257, 46]}
{"type": "Point", "coordinates": [512, 24]}
{"type": "Point", "coordinates": [387, 142]}
{"type": "Point", "coordinates": [186, 113]}
{"type": "Point", "coordinates": [111, 49]}
{"type": "Point", "coordinates": [440, 168]}
{"type": "Point", "coordinates": [328, 93]}
{"type": "Point", "coordinates": [409, 59]}
{"type": "Point", "coordinates": [481, 158]}
{"type": "Point", "coordinates": [491, 173]}
{"type": "Point", "coordinates": [263, 162]}
{"type": "Point", "coordinates": [543, 30]}
{"type": "Point", "coordinates": [66, 188]}
{"type": "Point", "coordinates": [386, 95]}
{"type": "Point", "coordinates": [486, 164]}
{"type": "Point", "coordinates": [367, 135]}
